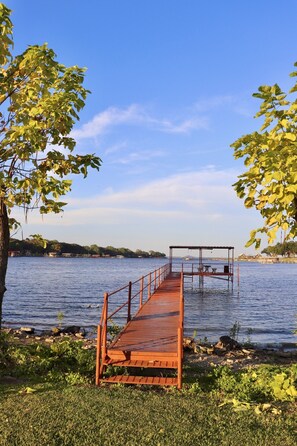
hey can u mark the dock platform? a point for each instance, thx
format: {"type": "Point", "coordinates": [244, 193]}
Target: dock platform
{"type": "Point", "coordinates": [152, 339]}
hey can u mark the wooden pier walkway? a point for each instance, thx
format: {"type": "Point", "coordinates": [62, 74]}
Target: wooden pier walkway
{"type": "Point", "coordinates": [152, 338]}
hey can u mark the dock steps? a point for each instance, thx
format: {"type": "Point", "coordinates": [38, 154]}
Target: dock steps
{"type": "Point", "coordinates": [153, 364]}
{"type": "Point", "coordinates": [141, 380]}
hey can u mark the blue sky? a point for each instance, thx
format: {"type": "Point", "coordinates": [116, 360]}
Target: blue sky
{"type": "Point", "coordinates": [172, 84]}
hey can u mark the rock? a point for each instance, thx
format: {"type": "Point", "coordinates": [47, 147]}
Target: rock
{"type": "Point", "coordinates": [27, 330]}
{"type": "Point", "coordinates": [80, 335]}
{"type": "Point", "coordinates": [227, 343]}
{"type": "Point", "coordinates": [200, 349]}
{"type": "Point", "coordinates": [189, 344]}
{"type": "Point", "coordinates": [246, 352]}
{"type": "Point", "coordinates": [72, 329]}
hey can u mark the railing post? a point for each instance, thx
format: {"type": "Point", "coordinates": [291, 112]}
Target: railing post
{"type": "Point", "coordinates": [141, 292]}
{"type": "Point", "coordinates": [129, 301]}
{"type": "Point", "coordinates": [149, 286]}
{"type": "Point", "coordinates": [98, 355]}
{"type": "Point", "coordinates": [181, 302]}
{"type": "Point", "coordinates": [180, 331]}
{"type": "Point", "coordinates": [155, 280]}
{"type": "Point", "coordinates": [104, 334]}
{"type": "Point", "coordinates": [179, 357]}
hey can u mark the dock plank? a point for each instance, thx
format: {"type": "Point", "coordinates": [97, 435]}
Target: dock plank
{"type": "Point", "coordinates": [152, 339]}
{"type": "Point", "coordinates": [154, 327]}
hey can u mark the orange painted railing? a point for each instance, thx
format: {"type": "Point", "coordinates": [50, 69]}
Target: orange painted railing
{"type": "Point", "coordinates": [180, 334]}
{"type": "Point", "coordinates": [142, 288]}
{"type": "Point", "coordinates": [207, 267]}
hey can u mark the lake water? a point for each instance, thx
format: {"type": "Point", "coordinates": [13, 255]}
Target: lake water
{"type": "Point", "coordinates": [264, 304]}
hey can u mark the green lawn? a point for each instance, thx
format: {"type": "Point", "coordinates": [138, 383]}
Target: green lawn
{"type": "Point", "coordinates": [63, 415]}
{"type": "Point", "coordinates": [53, 402]}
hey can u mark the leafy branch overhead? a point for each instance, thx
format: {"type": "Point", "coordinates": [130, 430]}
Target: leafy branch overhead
{"type": "Point", "coordinates": [39, 103]}
{"type": "Point", "coordinates": [270, 155]}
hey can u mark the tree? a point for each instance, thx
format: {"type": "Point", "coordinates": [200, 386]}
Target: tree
{"type": "Point", "coordinates": [270, 182]}
{"type": "Point", "coordinates": [283, 249]}
{"type": "Point", "coordinates": [39, 104]}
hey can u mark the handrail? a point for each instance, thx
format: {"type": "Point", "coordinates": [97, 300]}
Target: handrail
{"type": "Point", "coordinates": [163, 271]}
{"type": "Point", "coordinates": [151, 279]}
{"type": "Point", "coordinates": [148, 285]}
{"type": "Point", "coordinates": [180, 330]}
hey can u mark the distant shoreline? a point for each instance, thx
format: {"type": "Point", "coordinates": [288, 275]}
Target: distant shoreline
{"type": "Point", "coordinates": [267, 260]}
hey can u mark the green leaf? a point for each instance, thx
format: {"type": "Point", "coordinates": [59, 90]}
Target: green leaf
{"type": "Point", "coordinates": [290, 136]}
{"type": "Point", "coordinates": [269, 181]}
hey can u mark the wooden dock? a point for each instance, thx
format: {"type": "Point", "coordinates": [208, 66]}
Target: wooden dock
{"type": "Point", "coordinates": [152, 338]}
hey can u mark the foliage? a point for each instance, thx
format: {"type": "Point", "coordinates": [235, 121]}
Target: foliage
{"type": "Point", "coordinates": [43, 408]}
{"type": "Point", "coordinates": [60, 361]}
{"type": "Point", "coordinates": [288, 249]}
{"type": "Point", "coordinates": [35, 246]}
{"type": "Point", "coordinates": [234, 330]}
{"type": "Point", "coordinates": [270, 181]}
{"type": "Point", "coordinates": [40, 99]}
{"type": "Point", "coordinates": [265, 384]}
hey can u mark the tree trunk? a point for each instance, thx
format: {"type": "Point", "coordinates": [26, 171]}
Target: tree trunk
{"type": "Point", "coordinates": [4, 245]}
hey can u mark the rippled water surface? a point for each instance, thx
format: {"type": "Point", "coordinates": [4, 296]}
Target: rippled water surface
{"type": "Point", "coordinates": [264, 304]}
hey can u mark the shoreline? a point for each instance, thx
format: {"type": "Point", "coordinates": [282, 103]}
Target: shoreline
{"type": "Point", "coordinates": [203, 356]}
{"type": "Point", "coordinates": [80, 333]}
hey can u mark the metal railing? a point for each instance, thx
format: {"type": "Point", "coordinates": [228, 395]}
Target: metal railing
{"type": "Point", "coordinates": [205, 267]}
{"type": "Point", "coordinates": [142, 288]}
{"type": "Point", "coordinates": [180, 334]}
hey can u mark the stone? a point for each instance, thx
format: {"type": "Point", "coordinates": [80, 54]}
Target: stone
{"type": "Point", "coordinates": [79, 335]}
{"type": "Point", "coordinates": [189, 344]}
{"type": "Point", "coordinates": [71, 329]}
{"type": "Point", "coordinates": [200, 349]}
{"type": "Point", "coordinates": [27, 330]}
{"type": "Point", "coordinates": [227, 344]}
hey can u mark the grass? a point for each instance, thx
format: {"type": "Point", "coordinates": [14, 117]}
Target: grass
{"type": "Point", "coordinates": [84, 416]}
{"type": "Point", "coordinates": [53, 402]}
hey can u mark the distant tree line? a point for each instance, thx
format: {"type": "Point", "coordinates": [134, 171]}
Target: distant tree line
{"type": "Point", "coordinates": [285, 249]}
{"type": "Point", "coordinates": [37, 246]}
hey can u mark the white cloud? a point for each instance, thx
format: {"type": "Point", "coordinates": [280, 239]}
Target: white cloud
{"type": "Point", "coordinates": [241, 105]}
{"type": "Point", "coordinates": [208, 191]}
{"type": "Point", "coordinates": [115, 148]}
{"type": "Point", "coordinates": [145, 155]}
{"type": "Point", "coordinates": [135, 115]}
{"type": "Point", "coordinates": [214, 102]}
{"type": "Point", "coordinates": [185, 207]}
{"type": "Point", "coordinates": [185, 126]}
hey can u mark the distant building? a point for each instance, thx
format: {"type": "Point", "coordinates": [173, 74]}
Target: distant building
{"type": "Point", "coordinates": [14, 253]}
{"type": "Point", "coordinates": [53, 254]}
